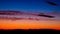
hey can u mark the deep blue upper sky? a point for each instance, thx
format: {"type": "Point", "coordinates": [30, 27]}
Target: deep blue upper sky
{"type": "Point", "coordinates": [28, 5]}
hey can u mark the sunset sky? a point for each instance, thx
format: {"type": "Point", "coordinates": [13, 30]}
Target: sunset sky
{"type": "Point", "coordinates": [33, 6]}
{"type": "Point", "coordinates": [29, 5]}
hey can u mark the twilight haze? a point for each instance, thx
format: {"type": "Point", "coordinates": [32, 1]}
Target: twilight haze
{"type": "Point", "coordinates": [26, 14]}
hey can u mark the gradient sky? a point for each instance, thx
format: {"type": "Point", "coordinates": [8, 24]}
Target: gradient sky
{"type": "Point", "coordinates": [28, 5]}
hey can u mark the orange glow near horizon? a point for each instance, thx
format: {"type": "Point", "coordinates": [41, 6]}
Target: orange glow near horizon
{"type": "Point", "coordinates": [29, 24]}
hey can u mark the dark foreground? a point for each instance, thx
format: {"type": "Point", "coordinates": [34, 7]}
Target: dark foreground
{"type": "Point", "coordinates": [30, 31]}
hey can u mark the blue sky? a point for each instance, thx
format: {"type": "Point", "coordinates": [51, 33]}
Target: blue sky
{"type": "Point", "coordinates": [28, 5]}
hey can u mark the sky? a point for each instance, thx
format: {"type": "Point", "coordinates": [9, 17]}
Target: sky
{"type": "Point", "coordinates": [29, 5]}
